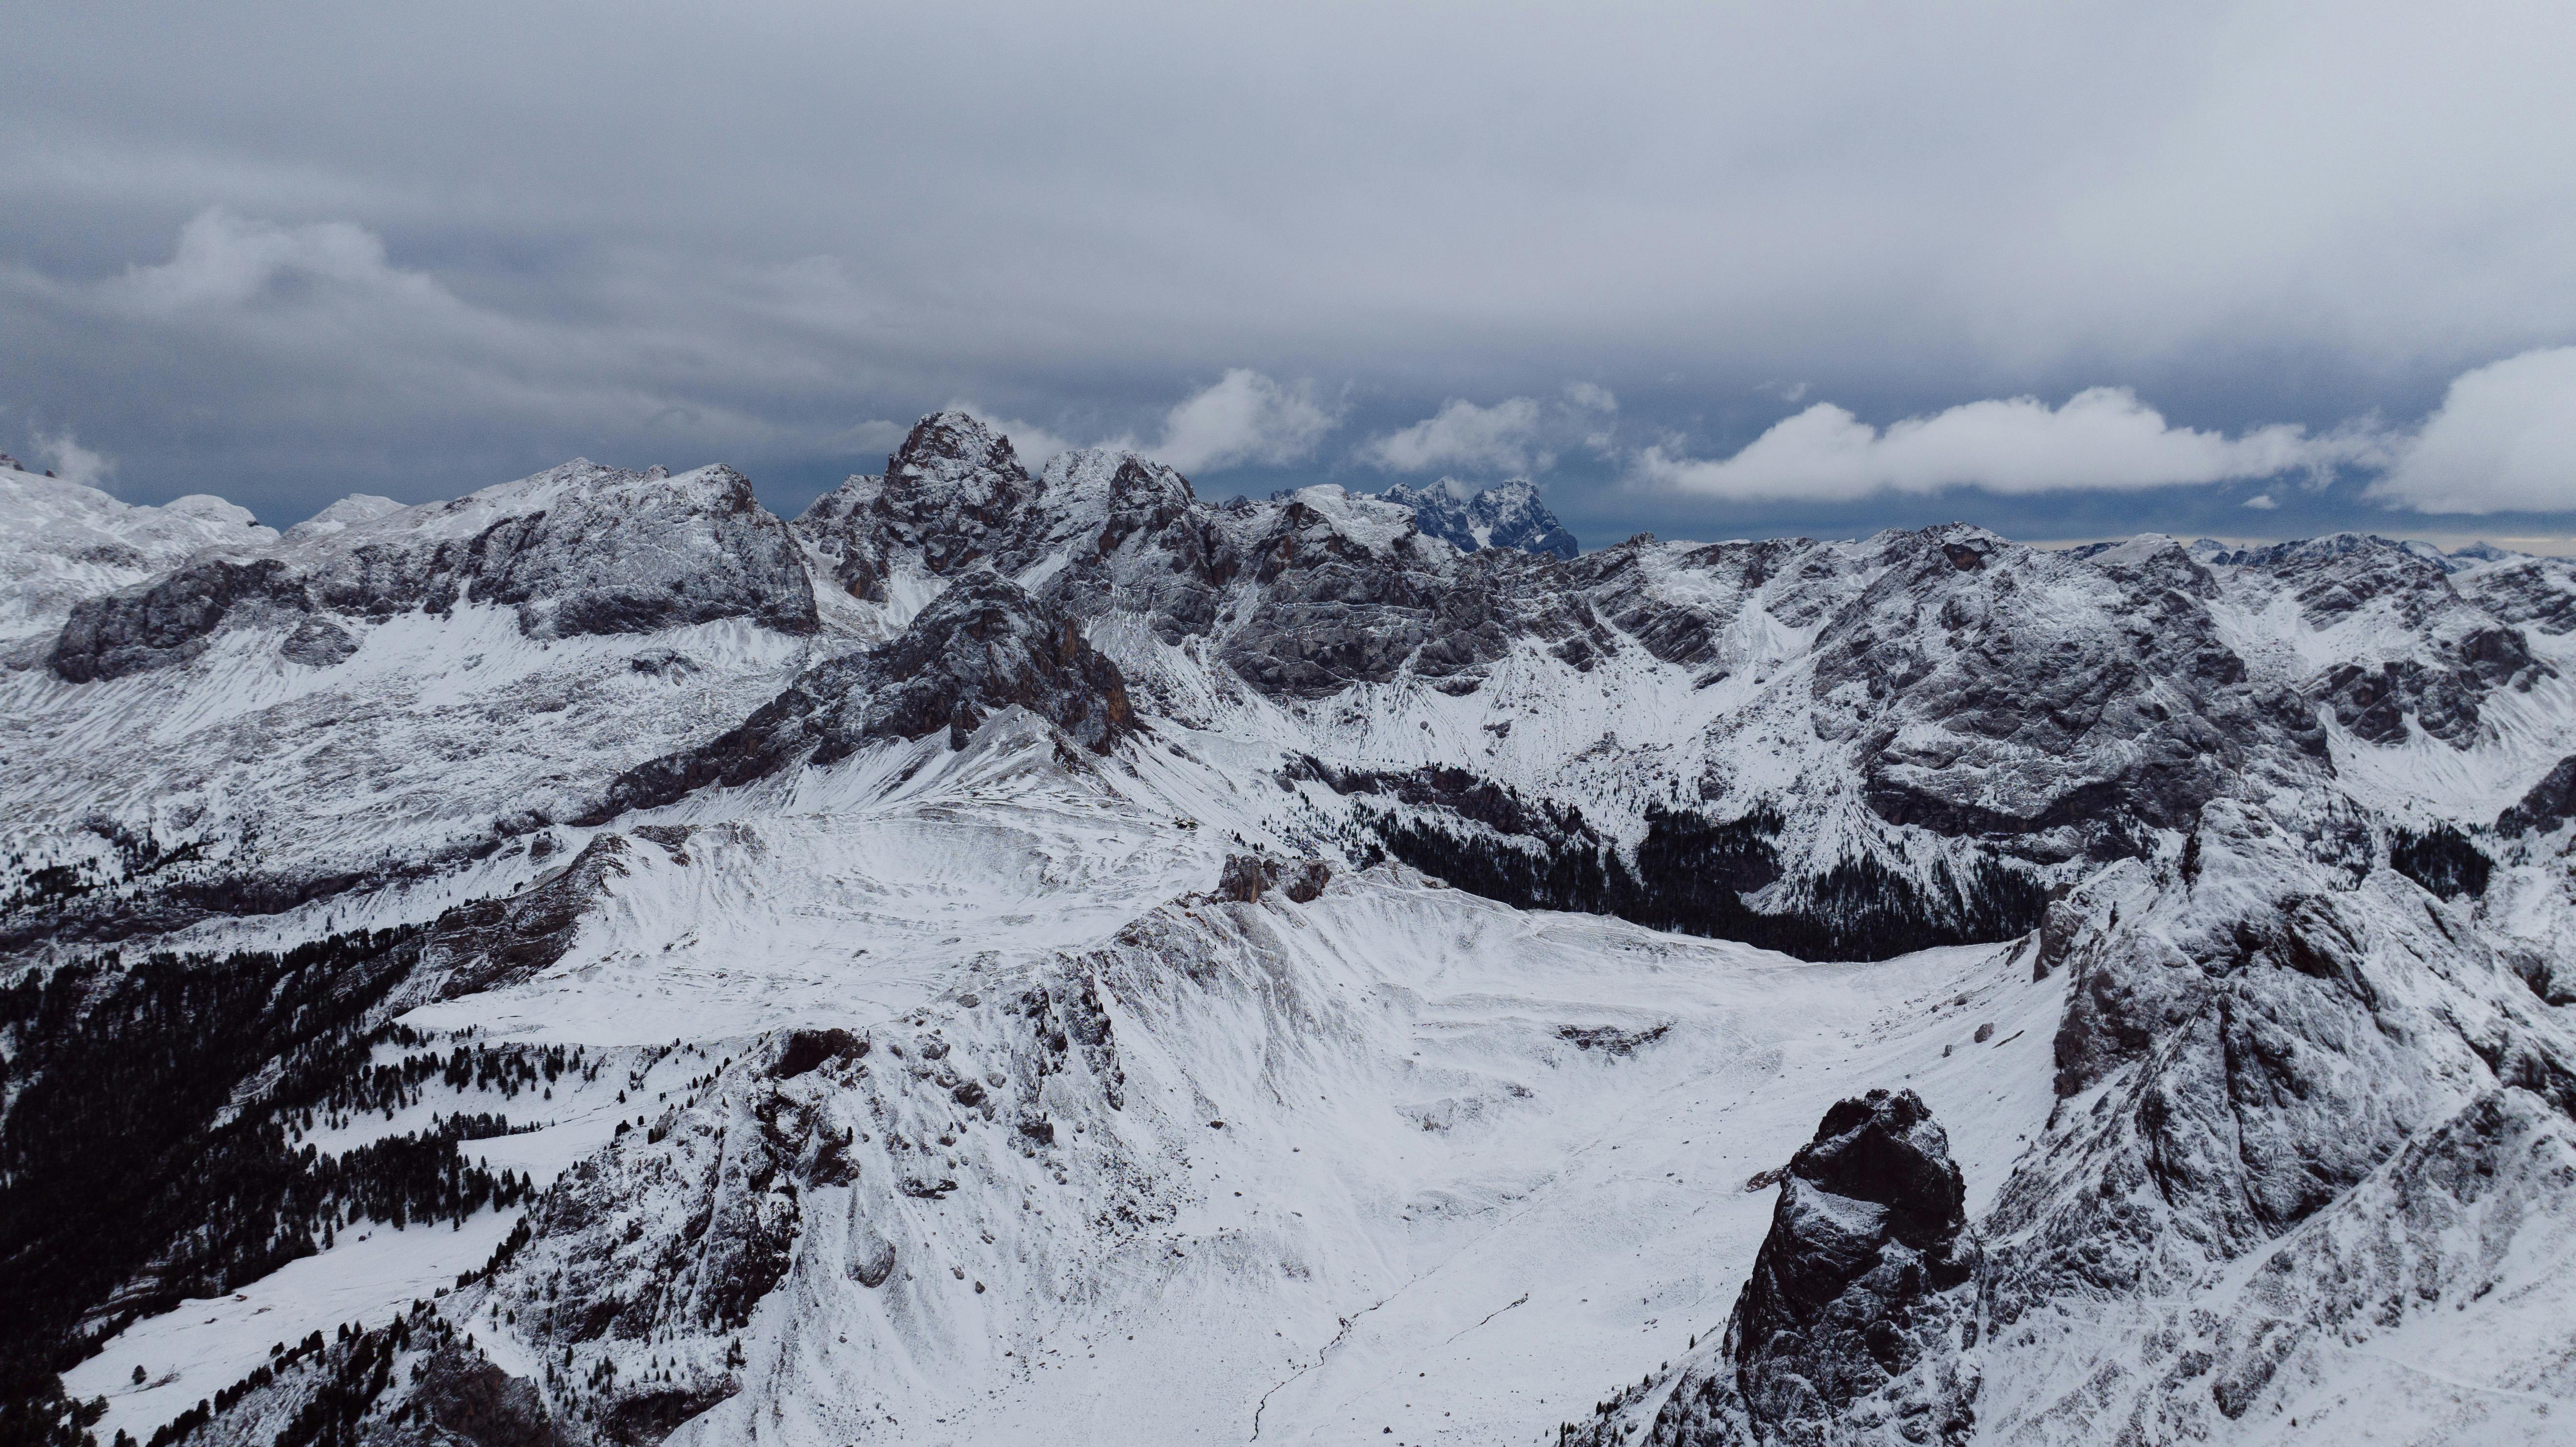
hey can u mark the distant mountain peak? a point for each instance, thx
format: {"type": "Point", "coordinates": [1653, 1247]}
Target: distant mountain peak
{"type": "Point", "coordinates": [1469, 518]}
{"type": "Point", "coordinates": [952, 443]}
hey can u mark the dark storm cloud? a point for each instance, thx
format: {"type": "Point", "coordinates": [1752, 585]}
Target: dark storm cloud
{"type": "Point", "coordinates": [286, 252]}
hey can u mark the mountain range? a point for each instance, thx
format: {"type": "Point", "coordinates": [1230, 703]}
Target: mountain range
{"type": "Point", "coordinates": [1038, 955]}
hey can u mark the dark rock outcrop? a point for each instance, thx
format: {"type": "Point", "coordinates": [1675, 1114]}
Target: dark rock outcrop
{"type": "Point", "coordinates": [489, 943]}
{"type": "Point", "coordinates": [169, 621]}
{"type": "Point", "coordinates": [2547, 804]}
{"type": "Point", "coordinates": [1864, 1277]}
{"type": "Point", "coordinates": [318, 643]}
{"type": "Point", "coordinates": [646, 1418]}
{"type": "Point", "coordinates": [2538, 591]}
{"type": "Point", "coordinates": [2249, 1060]}
{"type": "Point", "coordinates": [980, 647]}
{"type": "Point", "coordinates": [1247, 877]}
{"type": "Point", "coordinates": [2037, 726]}
{"type": "Point", "coordinates": [729, 1174]}
{"type": "Point", "coordinates": [954, 494]}
{"type": "Point", "coordinates": [807, 1049]}
{"type": "Point", "coordinates": [464, 1399]}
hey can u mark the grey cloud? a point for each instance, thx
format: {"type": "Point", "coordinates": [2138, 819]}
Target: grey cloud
{"type": "Point", "coordinates": [425, 247]}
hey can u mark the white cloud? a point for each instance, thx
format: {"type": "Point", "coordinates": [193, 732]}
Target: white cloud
{"type": "Point", "coordinates": [1033, 444]}
{"type": "Point", "coordinates": [224, 260]}
{"type": "Point", "coordinates": [2504, 440]}
{"type": "Point", "coordinates": [1244, 419]}
{"type": "Point", "coordinates": [1461, 434]}
{"type": "Point", "coordinates": [73, 462]}
{"type": "Point", "coordinates": [2261, 502]}
{"type": "Point", "coordinates": [2103, 438]}
{"type": "Point", "coordinates": [1591, 396]}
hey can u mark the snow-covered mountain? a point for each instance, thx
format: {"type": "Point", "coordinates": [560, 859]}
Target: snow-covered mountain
{"type": "Point", "coordinates": [1041, 956]}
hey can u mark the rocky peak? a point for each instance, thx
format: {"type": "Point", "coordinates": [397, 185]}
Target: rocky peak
{"type": "Point", "coordinates": [2152, 560]}
{"type": "Point", "coordinates": [1507, 515]}
{"type": "Point", "coordinates": [1109, 494]}
{"type": "Point", "coordinates": [1858, 1298]}
{"type": "Point", "coordinates": [2335, 575]}
{"type": "Point", "coordinates": [954, 494]}
{"type": "Point", "coordinates": [952, 485]}
{"type": "Point", "coordinates": [982, 646]}
{"type": "Point", "coordinates": [954, 445]}
{"type": "Point", "coordinates": [1885, 1148]}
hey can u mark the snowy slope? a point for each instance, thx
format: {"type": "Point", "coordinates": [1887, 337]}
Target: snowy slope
{"type": "Point", "coordinates": [62, 542]}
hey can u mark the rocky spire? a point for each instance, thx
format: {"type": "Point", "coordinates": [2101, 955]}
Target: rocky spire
{"type": "Point", "coordinates": [1858, 1289]}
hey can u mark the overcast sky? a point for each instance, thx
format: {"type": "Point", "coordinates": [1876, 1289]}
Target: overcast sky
{"type": "Point", "coordinates": [2067, 270]}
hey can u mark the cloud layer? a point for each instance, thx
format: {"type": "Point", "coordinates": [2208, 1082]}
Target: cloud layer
{"type": "Point", "coordinates": [2103, 437]}
{"type": "Point", "coordinates": [1245, 419]}
{"type": "Point", "coordinates": [1463, 435]}
{"type": "Point", "coordinates": [432, 246]}
{"type": "Point", "coordinates": [2503, 441]}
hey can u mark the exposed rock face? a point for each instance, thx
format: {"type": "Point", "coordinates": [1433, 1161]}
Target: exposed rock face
{"type": "Point", "coordinates": [2346, 575]}
{"type": "Point", "coordinates": [1249, 876]}
{"type": "Point", "coordinates": [466, 1399]}
{"type": "Point", "coordinates": [2550, 802]}
{"type": "Point", "coordinates": [2265, 1047]}
{"type": "Point", "coordinates": [729, 1175]}
{"type": "Point", "coordinates": [611, 552]}
{"type": "Point", "coordinates": [169, 621]}
{"type": "Point", "coordinates": [1133, 538]}
{"type": "Point", "coordinates": [318, 643]}
{"type": "Point", "coordinates": [1350, 592]}
{"type": "Point", "coordinates": [981, 646]}
{"type": "Point", "coordinates": [493, 942]}
{"type": "Point", "coordinates": [1506, 516]}
{"type": "Point", "coordinates": [2538, 591]}
{"type": "Point", "coordinates": [952, 495]}
{"type": "Point", "coordinates": [2142, 689]}
{"type": "Point", "coordinates": [1864, 1275]}
{"type": "Point", "coordinates": [581, 549]}
{"type": "Point", "coordinates": [1337, 587]}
